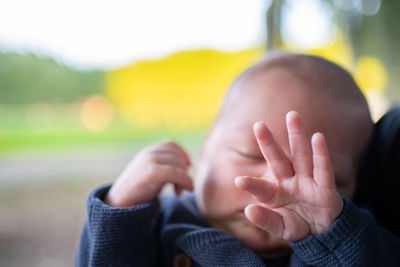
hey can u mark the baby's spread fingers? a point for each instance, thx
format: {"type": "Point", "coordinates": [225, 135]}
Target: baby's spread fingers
{"type": "Point", "coordinates": [299, 146]}
{"type": "Point", "coordinates": [272, 152]}
{"type": "Point", "coordinates": [261, 189]}
{"type": "Point", "coordinates": [265, 219]}
{"type": "Point", "coordinates": [323, 172]}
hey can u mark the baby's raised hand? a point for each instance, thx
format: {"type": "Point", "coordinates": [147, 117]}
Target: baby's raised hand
{"type": "Point", "coordinates": [297, 195]}
{"type": "Point", "coordinates": [146, 174]}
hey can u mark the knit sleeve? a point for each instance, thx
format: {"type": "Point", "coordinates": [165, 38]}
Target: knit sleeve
{"type": "Point", "coordinates": [117, 236]}
{"type": "Point", "coordinates": [354, 239]}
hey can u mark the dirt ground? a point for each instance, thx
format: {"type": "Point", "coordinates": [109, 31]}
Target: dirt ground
{"type": "Point", "coordinates": [40, 225]}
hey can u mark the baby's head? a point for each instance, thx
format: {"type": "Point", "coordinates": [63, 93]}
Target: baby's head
{"type": "Point", "coordinates": [327, 100]}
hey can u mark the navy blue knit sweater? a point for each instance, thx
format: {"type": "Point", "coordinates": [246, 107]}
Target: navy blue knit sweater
{"type": "Point", "coordinates": [152, 234]}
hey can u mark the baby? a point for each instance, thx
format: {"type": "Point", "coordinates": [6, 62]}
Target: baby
{"type": "Point", "coordinates": [274, 179]}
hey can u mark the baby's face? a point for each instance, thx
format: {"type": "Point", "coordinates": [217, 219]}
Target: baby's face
{"type": "Point", "coordinates": [231, 150]}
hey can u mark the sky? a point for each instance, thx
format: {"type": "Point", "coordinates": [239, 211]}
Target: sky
{"type": "Point", "coordinates": [107, 34]}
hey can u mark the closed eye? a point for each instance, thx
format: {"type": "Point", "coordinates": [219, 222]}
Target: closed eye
{"type": "Point", "coordinates": [256, 157]}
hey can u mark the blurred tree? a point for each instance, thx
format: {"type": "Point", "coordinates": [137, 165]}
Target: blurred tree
{"type": "Point", "coordinates": [274, 39]}
{"type": "Point", "coordinates": [29, 78]}
{"type": "Point", "coordinates": [372, 26]}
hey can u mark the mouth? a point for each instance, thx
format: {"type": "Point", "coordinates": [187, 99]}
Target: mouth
{"type": "Point", "coordinates": [241, 219]}
{"type": "Point", "coordinates": [240, 215]}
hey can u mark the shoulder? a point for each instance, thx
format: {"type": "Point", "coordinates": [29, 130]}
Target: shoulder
{"type": "Point", "coordinates": [377, 183]}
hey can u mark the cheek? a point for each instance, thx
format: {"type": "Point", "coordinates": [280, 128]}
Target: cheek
{"type": "Point", "coordinates": [347, 189]}
{"type": "Point", "coordinates": [345, 175]}
{"type": "Point", "coordinates": [216, 193]}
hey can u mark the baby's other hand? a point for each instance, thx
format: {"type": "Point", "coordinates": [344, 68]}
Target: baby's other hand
{"type": "Point", "coordinates": [297, 195]}
{"type": "Point", "coordinates": [149, 170]}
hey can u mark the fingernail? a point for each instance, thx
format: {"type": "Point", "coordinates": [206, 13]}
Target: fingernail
{"type": "Point", "coordinates": [258, 124]}
{"type": "Point", "coordinates": [290, 114]}
{"type": "Point", "coordinates": [238, 180]}
{"type": "Point", "coordinates": [246, 210]}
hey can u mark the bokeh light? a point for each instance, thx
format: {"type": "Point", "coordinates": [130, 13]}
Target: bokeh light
{"type": "Point", "coordinates": [371, 74]}
{"type": "Point", "coordinates": [96, 112]}
{"type": "Point", "coordinates": [307, 23]}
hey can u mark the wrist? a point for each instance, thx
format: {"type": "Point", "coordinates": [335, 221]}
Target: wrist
{"type": "Point", "coordinates": [333, 214]}
{"type": "Point", "coordinates": [114, 199]}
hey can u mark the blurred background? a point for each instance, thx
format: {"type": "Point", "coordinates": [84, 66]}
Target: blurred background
{"type": "Point", "coordinates": [85, 84]}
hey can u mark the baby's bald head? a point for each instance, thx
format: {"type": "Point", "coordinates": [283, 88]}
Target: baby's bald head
{"type": "Point", "coordinates": [314, 76]}
{"type": "Point", "coordinates": [324, 94]}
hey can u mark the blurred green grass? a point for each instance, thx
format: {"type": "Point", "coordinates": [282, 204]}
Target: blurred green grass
{"type": "Point", "coordinates": [62, 129]}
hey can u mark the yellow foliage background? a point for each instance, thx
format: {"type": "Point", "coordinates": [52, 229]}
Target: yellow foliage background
{"type": "Point", "coordinates": [179, 92]}
{"type": "Point", "coordinates": [183, 91]}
